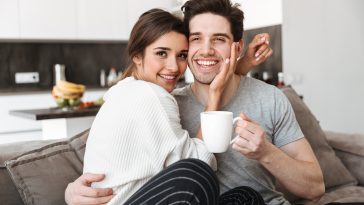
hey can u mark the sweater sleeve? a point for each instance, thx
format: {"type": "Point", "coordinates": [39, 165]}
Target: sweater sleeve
{"type": "Point", "coordinates": [186, 146]}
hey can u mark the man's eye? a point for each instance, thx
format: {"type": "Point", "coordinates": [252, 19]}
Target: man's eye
{"type": "Point", "coordinates": [162, 53]}
{"type": "Point", "coordinates": [220, 39]}
{"type": "Point", "coordinates": [194, 39]}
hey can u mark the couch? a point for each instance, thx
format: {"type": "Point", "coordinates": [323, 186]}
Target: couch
{"type": "Point", "coordinates": [37, 172]}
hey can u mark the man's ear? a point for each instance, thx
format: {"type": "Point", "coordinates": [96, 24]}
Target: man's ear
{"type": "Point", "coordinates": [137, 59]}
{"type": "Point", "coordinates": [240, 46]}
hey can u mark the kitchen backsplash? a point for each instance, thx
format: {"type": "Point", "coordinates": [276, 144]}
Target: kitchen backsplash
{"type": "Point", "coordinates": [83, 61]}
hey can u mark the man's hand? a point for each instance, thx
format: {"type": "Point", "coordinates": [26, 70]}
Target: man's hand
{"type": "Point", "coordinates": [251, 141]}
{"type": "Point", "coordinates": [258, 51]}
{"type": "Point", "coordinates": [80, 191]}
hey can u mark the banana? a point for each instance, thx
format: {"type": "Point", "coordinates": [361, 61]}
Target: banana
{"type": "Point", "coordinates": [72, 87]}
{"type": "Point", "coordinates": [59, 94]}
{"type": "Point", "coordinates": [68, 90]}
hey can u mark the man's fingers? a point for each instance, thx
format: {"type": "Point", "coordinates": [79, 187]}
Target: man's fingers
{"type": "Point", "coordinates": [93, 201]}
{"type": "Point", "coordinates": [245, 117]}
{"type": "Point", "coordinates": [88, 178]}
{"type": "Point", "coordinates": [95, 192]}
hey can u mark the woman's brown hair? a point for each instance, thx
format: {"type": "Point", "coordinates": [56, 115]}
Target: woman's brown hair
{"type": "Point", "coordinates": [150, 26]}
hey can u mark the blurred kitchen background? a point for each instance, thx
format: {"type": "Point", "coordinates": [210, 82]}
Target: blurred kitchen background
{"type": "Point", "coordinates": [318, 45]}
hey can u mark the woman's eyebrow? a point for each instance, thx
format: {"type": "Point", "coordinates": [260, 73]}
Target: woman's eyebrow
{"type": "Point", "coordinates": [162, 48]}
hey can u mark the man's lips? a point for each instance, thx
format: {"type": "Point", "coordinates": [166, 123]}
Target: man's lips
{"type": "Point", "coordinates": [207, 64]}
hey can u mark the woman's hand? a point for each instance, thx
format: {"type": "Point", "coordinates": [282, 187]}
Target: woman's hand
{"type": "Point", "coordinates": [258, 51]}
{"type": "Point", "coordinates": [80, 191]}
{"type": "Point", "coordinates": [219, 83]}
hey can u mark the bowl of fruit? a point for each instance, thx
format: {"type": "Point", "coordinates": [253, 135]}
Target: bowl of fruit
{"type": "Point", "coordinates": [67, 94]}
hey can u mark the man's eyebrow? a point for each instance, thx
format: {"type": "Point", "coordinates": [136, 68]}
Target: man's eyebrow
{"type": "Point", "coordinates": [215, 34]}
{"type": "Point", "coordinates": [162, 48]}
{"type": "Point", "coordinates": [195, 33]}
{"type": "Point", "coordinates": [184, 51]}
{"type": "Point", "coordinates": [222, 34]}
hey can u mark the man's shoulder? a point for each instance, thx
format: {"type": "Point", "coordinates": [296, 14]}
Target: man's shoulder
{"type": "Point", "coordinates": [180, 92]}
{"type": "Point", "coordinates": [258, 88]}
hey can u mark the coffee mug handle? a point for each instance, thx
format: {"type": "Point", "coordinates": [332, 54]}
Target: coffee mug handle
{"type": "Point", "coordinates": [234, 121]}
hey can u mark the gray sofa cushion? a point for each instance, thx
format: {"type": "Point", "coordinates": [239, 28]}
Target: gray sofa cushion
{"type": "Point", "coordinates": [8, 192]}
{"type": "Point", "coordinates": [41, 175]}
{"type": "Point", "coordinates": [335, 173]}
{"type": "Point", "coordinates": [349, 148]}
{"type": "Point", "coordinates": [345, 194]}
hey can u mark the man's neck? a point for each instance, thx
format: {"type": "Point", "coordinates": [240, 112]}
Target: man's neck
{"type": "Point", "coordinates": [201, 91]}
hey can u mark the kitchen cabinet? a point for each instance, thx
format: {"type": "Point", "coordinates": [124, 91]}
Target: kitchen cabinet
{"type": "Point", "coordinates": [44, 19]}
{"type": "Point", "coordinates": [102, 20]}
{"type": "Point", "coordinates": [136, 8]}
{"type": "Point", "coordinates": [73, 19]}
{"type": "Point", "coordinates": [9, 19]}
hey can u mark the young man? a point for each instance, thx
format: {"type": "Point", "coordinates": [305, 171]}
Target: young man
{"type": "Point", "coordinates": [270, 144]}
{"type": "Point", "coordinates": [268, 147]}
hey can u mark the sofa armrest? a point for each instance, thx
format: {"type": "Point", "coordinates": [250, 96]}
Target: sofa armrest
{"type": "Point", "coordinates": [350, 149]}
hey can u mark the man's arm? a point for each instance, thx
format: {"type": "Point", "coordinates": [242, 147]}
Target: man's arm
{"type": "Point", "coordinates": [294, 164]}
{"type": "Point", "coordinates": [80, 191]}
{"type": "Point", "coordinates": [258, 51]}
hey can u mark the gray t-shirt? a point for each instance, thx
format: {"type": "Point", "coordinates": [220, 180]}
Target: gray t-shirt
{"type": "Point", "coordinates": [264, 104]}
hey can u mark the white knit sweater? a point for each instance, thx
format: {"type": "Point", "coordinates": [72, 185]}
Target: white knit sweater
{"type": "Point", "coordinates": [135, 135]}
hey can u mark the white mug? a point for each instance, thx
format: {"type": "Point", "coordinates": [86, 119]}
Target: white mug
{"type": "Point", "coordinates": [217, 129]}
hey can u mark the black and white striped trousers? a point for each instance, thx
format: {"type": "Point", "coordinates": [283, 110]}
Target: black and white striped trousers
{"type": "Point", "coordinates": [191, 181]}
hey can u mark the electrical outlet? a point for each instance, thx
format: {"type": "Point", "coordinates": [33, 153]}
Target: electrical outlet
{"type": "Point", "coordinates": [26, 77]}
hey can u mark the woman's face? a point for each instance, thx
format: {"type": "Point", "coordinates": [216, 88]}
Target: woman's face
{"type": "Point", "coordinates": [164, 61]}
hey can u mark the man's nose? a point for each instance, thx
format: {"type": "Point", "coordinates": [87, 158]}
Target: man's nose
{"type": "Point", "coordinates": [207, 48]}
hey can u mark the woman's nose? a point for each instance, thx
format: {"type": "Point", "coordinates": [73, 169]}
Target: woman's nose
{"type": "Point", "coordinates": [172, 64]}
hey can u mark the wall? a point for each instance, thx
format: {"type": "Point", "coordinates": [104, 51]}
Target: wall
{"type": "Point", "coordinates": [261, 13]}
{"type": "Point", "coordinates": [83, 62]}
{"type": "Point", "coordinates": [323, 52]}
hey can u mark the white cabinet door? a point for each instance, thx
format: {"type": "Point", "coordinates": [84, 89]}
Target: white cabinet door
{"type": "Point", "coordinates": [9, 19]}
{"type": "Point", "coordinates": [48, 19]}
{"type": "Point", "coordinates": [137, 8]}
{"type": "Point", "coordinates": [102, 20]}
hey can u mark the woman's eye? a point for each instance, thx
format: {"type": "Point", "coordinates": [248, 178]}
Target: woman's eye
{"type": "Point", "coordinates": [183, 56]}
{"type": "Point", "coordinates": [162, 53]}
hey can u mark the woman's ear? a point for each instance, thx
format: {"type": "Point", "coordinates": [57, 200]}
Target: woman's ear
{"type": "Point", "coordinates": [137, 59]}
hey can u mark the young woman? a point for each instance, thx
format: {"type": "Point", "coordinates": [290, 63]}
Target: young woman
{"type": "Point", "coordinates": [137, 140]}
{"type": "Point", "coordinates": [137, 132]}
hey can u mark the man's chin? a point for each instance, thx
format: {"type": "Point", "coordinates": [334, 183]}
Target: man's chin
{"type": "Point", "coordinates": [205, 81]}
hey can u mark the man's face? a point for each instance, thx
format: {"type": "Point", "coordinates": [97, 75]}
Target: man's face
{"type": "Point", "coordinates": [209, 44]}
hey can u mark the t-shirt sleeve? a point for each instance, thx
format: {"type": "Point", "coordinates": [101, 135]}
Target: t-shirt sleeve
{"type": "Point", "coordinates": [286, 128]}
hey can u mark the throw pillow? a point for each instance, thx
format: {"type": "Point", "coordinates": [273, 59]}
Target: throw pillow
{"type": "Point", "coordinates": [42, 175]}
{"type": "Point", "coordinates": [335, 173]}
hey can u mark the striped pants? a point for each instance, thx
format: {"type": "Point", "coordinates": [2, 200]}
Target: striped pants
{"type": "Point", "coordinates": [191, 181]}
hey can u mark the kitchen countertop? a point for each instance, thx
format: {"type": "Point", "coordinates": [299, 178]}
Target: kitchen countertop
{"type": "Point", "coordinates": [31, 90]}
{"type": "Point", "coordinates": [55, 113]}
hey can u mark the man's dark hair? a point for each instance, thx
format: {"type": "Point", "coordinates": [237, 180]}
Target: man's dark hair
{"type": "Point", "coordinates": [223, 8]}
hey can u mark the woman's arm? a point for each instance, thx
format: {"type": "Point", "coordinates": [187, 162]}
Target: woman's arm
{"type": "Point", "coordinates": [258, 51]}
{"type": "Point", "coordinates": [219, 83]}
